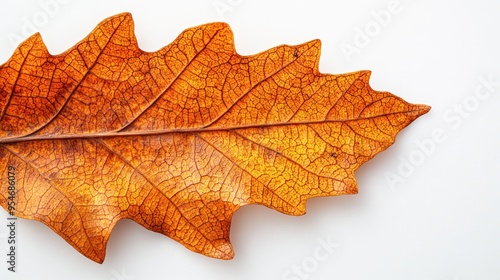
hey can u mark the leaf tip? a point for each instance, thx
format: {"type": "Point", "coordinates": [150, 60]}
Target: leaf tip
{"type": "Point", "coordinates": [223, 251]}
{"type": "Point", "coordinates": [316, 42]}
{"type": "Point", "coordinates": [115, 21]}
{"type": "Point", "coordinates": [122, 16]}
{"type": "Point", "coordinates": [99, 260]}
{"type": "Point", "coordinates": [29, 43]}
{"type": "Point", "coordinates": [422, 109]}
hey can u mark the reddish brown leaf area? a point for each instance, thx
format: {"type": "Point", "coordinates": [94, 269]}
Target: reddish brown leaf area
{"type": "Point", "coordinates": [179, 139]}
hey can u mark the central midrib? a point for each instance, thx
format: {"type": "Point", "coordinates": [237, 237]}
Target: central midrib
{"type": "Point", "coordinates": [185, 130]}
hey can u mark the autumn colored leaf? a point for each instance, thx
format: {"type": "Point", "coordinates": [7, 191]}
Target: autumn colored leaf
{"type": "Point", "coordinates": [179, 139]}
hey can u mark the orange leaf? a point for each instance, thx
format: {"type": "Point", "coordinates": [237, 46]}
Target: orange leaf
{"type": "Point", "coordinates": [179, 139]}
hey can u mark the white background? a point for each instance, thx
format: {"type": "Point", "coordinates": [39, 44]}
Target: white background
{"type": "Point", "coordinates": [440, 221]}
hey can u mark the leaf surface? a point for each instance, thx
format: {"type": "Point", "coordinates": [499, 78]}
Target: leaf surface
{"type": "Point", "coordinates": [179, 139]}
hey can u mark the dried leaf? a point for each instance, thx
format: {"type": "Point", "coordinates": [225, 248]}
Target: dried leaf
{"type": "Point", "coordinates": [179, 139]}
